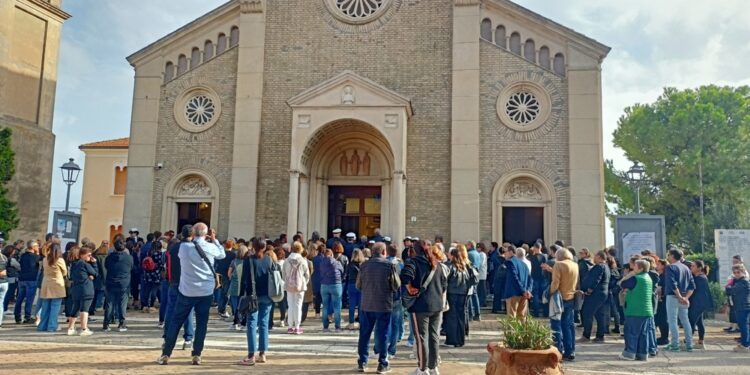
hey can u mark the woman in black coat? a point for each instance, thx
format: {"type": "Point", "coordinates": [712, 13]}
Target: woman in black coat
{"type": "Point", "coordinates": [501, 271]}
{"type": "Point", "coordinates": [701, 300]}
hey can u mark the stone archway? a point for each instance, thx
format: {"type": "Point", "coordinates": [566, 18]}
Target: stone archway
{"type": "Point", "coordinates": [524, 190]}
{"type": "Point", "coordinates": [190, 187]}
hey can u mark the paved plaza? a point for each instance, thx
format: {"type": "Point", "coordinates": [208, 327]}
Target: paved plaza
{"type": "Point", "coordinates": [26, 351]}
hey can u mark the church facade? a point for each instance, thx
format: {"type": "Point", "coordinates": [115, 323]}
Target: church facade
{"type": "Point", "coordinates": [473, 119]}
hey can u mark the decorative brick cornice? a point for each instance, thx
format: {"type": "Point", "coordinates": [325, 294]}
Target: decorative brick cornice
{"type": "Point", "coordinates": [251, 6]}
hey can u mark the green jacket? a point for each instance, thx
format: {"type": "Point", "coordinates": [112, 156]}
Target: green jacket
{"type": "Point", "coordinates": [638, 301]}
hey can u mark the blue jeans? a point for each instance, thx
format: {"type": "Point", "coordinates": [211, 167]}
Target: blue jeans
{"type": "Point", "coordinates": [48, 309]}
{"type": "Point", "coordinates": [355, 297]}
{"type": "Point", "coordinates": [651, 339]}
{"type": "Point", "coordinates": [234, 301]}
{"type": "Point", "coordinates": [12, 287]}
{"type": "Point", "coordinates": [258, 321]}
{"type": "Point", "coordinates": [380, 322]}
{"type": "Point", "coordinates": [676, 310]}
{"type": "Point", "coordinates": [149, 294]}
{"type": "Point", "coordinates": [183, 306]}
{"type": "Point", "coordinates": [331, 300]}
{"type": "Point", "coordinates": [636, 337]}
{"type": "Point", "coordinates": [188, 326]}
{"type": "Point", "coordinates": [26, 291]}
{"type": "Point", "coordinates": [482, 292]}
{"type": "Point", "coordinates": [3, 296]}
{"type": "Point", "coordinates": [397, 326]}
{"type": "Point", "coordinates": [163, 300]}
{"type": "Point", "coordinates": [539, 309]}
{"type": "Point", "coordinates": [474, 305]}
{"type": "Point", "coordinates": [564, 330]}
{"type": "Point", "coordinates": [741, 316]}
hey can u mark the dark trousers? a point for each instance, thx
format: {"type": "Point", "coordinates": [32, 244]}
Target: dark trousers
{"type": "Point", "coordinates": [221, 297]}
{"type": "Point", "coordinates": [380, 322]}
{"type": "Point", "coordinates": [564, 330]}
{"type": "Point", "coordinates": [595, 307]}
{"type": "Point", "coordinates": [182, 308]}
{"type": "Point", "coordinates": [614, 310]}
{"type": "Point", "coordinates": [26, 292]}
{"type": "Point", "coordinates": [171, 300]}
{"type": "Point", "coordinates": [163, 300]}
{"type": "Point", "coordinates": [427, 338]}
{"type": "Point", "coordinates": [455, 320]}
{"type": "Point", "coordinates": [149, 293]}
{"type": "Point", "coordinates": [317, 301]}
{"type": "Point", "coordinates": [539, 309]}
{"type": "Point", "coordinates": [661, 322]}
{"type": "Point", "coordinates": [117, 304]}
{"type": "Point", "coordinates": [305, 308]}
{"type": "Point", "coordinates": [696, 321]}
{"type": "Point", "coordinates": [482, 292]}
{"type": "Point", "coordinates": [10, 295]}
{"type": "Point", "coordinates": [135, 285]}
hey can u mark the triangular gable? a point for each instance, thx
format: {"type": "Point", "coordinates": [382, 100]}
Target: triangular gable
{"type": "Point", "coordinates": [349, 89]}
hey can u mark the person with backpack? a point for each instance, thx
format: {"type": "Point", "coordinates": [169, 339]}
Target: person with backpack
{"type": "Point", "coordinates": [296, 276]}
{"type": "Point", "coordinates": [255, 280]}
{"type": "Point", "coordinates": [151, 276]}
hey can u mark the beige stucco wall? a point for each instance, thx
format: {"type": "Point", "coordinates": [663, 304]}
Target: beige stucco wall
{"type": "Point", "coordinates": [29, 45]}
{"type": "Point", "coordinates": [100, 207]}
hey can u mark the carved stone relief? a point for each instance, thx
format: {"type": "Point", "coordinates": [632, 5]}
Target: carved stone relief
{"type": "Point", "coordinates": [193, 186]}
{"type": "Point", "coordinates": [347, 97]}
{"type": "Point", "coordinates": [523, 190]}
{"type": "Point", "coordinates": [355, 165]}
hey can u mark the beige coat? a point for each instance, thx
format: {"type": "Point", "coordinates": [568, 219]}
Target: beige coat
{"type": "Point", "coordinates": [53, 283]}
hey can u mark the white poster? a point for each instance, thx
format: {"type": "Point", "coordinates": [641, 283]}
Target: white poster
{"type": "Point", "coordinates": [731, 242]}
{"type": "Point", "coordinates": [635, 242]}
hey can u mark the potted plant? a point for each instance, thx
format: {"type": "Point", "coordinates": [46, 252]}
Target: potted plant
{"type": "Point", "coordinates": [526, 348]}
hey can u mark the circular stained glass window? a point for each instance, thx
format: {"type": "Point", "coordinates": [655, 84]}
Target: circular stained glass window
{"type": "Point", "coordinates": [200, 110]}
{"type": "Point", "coordinates": [523, 107]}
{"type": "Point", "coordinates": [359, 9]}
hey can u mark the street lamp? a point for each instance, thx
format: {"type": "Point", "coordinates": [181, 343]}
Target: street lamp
{"type": "Point", "coordinates": [70, 171]}
{"type": "Point", "coordinates": [635, 175]}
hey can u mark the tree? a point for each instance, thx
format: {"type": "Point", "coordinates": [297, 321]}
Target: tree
{"type": "Point", "coordinates": [8, 210]}
{"type": "Point", "coordinates": [683, 138]}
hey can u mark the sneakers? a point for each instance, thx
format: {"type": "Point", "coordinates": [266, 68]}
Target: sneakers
{"type": "Point", "coordinates": [624, 358]}
{"type": "Point", "coordinates": [434, 371]}
{"type": "Point", "coordinates": [86, 332]}
{"type": "Point", "coordinates": [247, 361]}
{"type": "Point", "coordinates": [187, 345]}
{"type": "Point", "coordinates": [409, 344]}
{"type": "Point", "coordinates": [160, 325]}
{"type": "Point", "coordinates": [384, 369]}
{"type": "Point", "coordinates": [598, 339]}
{"type": "Point", "coordinates": [72, 332]}
{"type": "Point", "coordinates": [106, 328]}
{"type": "Point", "coordinates": [197, 360]}
{"type": "Point", "coordinates": [362, 367]}
{"type": "Point", "coordinates": [153, 310]}
{"type": "Point", "coordinates": [122, 327]}
{"type": "Point", "coordinates": [261, 358]}
{"type": "Point", "coordinates": [291, 331]}
{"type": "Point", "coordinates": [282, 323]}
{"type": "Point", "coordinates": [583, 340]}
{"type": "Point", "coordinates": [238, 327]}
{"type": "Point", "coordinates": [163, 360]}
{"type": "Point", "coordinates": [741, 349]}
{"type": "Point", "coordinates": [224, 315]}
{"type": "Point", "coordinates": [672, 348]}
{"type": "Point", "coordinates": [417, 371]}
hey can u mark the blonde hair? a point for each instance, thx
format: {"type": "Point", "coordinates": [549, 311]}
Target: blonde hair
{"type": "Point", "coordinates": [297, 247]}
{"type": "Point", "coordinates": [242, 252]}
{"type": "Point", "coordinates": [464, 254]}
{"type": "Point", "coordinates": [358, 256]}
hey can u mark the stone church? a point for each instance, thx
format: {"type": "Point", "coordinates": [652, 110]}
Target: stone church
{"type": "Point", "coordinates": [473, 119]}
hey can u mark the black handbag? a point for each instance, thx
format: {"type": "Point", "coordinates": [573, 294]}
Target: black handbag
{"type": "Point", "coordinates": [408, 300]}
{"type": "Point", "coordinates": [249, 303]}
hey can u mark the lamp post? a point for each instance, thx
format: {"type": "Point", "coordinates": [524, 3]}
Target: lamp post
{"type": "Point", "coordinates": [635, 175]}
{"type": "Point", "coordinates": [70, 171]}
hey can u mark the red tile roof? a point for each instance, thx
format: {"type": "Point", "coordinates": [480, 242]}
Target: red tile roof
{"type": "Point", "coordinates": [111, 144]}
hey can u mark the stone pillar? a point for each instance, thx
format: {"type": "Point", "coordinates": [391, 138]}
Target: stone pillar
{"type": "Point", "coordinates": [304, 205]}
{"type": "Point", "coordinates": [465, 122]}
{"type": "Point", "coordinates": [398, 204]}
{"type": "Point", "coordinates": [293, 203]}
{"type": "Point", "coordinates": [586, 160]}
{"type": "Point", "coordinates": [246, 152]}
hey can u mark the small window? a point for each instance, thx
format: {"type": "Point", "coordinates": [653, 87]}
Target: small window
{"type": "Point", "coordinates": [544, 57]}
{"type": "Point", "coordinates": [515, 43]}
{"type": "Point", "coordinates": [500, 36]}
{"type": "Point", "coordinates": [234, 36]}
{"type": "Point", "coordinates": [195, 57]}
{"type": "Point", "coordinates": [182, 64]}
{"type": "Point", "coordinates": [486, 29]}
{"type": "Point", "coordinates": [529, 50]}
{"type": "Point", "coordinates": [208, 50]}
{"type": "Point", "coordinates": [114, 230]}
{"type": "Point", "coordinates": [121, 180]}
{"type": "Point", "coordinates": [559, 64]}
{"type": "Point", "coordinates": [221, 45]}
{"type": "Point", "coordinates": [168, 72]}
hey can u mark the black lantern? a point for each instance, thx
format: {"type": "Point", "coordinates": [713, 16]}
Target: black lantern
{"type": "Point", "coordinates": [636, 175]}
{"type": "Point", "coordinates": [70, 172]}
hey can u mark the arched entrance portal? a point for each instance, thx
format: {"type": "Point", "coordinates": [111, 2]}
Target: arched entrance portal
{"type": "Point", "coordinates": [346, 178]}
{"type": "Point", "coordinates": [191, 196]}
{"type": "Point", "coordinates": [524, 209]}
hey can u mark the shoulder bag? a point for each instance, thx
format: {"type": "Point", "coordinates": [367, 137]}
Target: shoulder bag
{"type": "Point", "coordinates": [249, 303]}
{"type": "Point", "coordinates": [408, 300]}
{"type": "Point", "coordinates": [217, 277]}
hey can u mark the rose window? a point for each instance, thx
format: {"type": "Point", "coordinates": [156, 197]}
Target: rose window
{"type": "Point", "coordinates": [200, 110]}
{"type": "Point", "coordinates": [523, 107]}
{"type": "Point", "coordinates": [359, 9]}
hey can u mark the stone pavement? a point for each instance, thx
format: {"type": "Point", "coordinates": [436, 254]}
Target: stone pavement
{"type": "Point", "coordinates": [25, 351]}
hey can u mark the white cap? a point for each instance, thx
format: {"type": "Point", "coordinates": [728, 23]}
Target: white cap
{"type": "Point", "coordinates": [351, 235]}
{"type": "Point", "coordinates": [337, 230]}
{"type": "Point", "coordinates": [134, 230]}
{"type": "Point", "coordinates": [415, 239]}
{"type": "Point", "coordinates": [387, 239]}
{"type": "Point", "coordinates": [371, 242]}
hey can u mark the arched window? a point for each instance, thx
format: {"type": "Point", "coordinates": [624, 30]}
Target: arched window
{"type": "Point", "coordinates": [168, 72]}
{"type": "Point", "coordinates": [208, 50]}
{"type": "Point", "coordinates": [121, 179]}
{"type": "Point", "coordinates": [182, 64]}
{"type": "Point", "coordinates": [500, 36]}
{"type": "Point", "coordinates": [559, 64]}
{"type": "Point", "coordinates": [221, 45]}
{"type": "Point", "coordinates": [544, 57]}
{"type": "Point", "coordinates": [486, 29]}
{"type": "Point", "coordinates": [529, 50]}
{"type": "Point", "coordinates": [195, 57]}
{"type": "Point", "coordinates": [234, 36]}
{"type": "Point", "coordinates": [515, 43]}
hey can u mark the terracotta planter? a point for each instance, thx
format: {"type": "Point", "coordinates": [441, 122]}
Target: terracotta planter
{"type": "Point", "coordinates": [505, 361]}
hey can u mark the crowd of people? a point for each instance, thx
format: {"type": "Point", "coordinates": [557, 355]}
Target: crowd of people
{"type": "Point", "coordinates": [438, 287]}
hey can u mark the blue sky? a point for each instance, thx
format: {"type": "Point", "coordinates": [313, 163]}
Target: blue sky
{"type": "Point", "coordinates": [678, 43]}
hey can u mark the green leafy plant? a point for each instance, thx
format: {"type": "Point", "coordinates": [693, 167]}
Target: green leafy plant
{"type": "Point", "coordinates": [718, 295]}
{"type": "Point", "coordinates": [530, 334]}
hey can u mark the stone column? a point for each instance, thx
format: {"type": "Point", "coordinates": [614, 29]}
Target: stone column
{"type": "Point", "coordinates": [293, 202]}
{"type": "Point", "coordinates": [398, 204]}
{"type": "Point", "coordinates": [304, 205]}
{"type": "Point", "coordinates": [465, 122]}
{"type": "Point", "coordinates": [246, 153]}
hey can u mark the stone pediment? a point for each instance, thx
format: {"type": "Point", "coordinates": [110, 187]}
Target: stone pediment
{"type": "Point", "coordinates": [349, 89]}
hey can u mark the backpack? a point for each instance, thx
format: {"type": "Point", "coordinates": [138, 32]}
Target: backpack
{"type": "Point", "coordinates": [275, 284]}
{"type": "Point", "coordinates": [148, 264]}
{"type": "Point", "coordinates": [294, 281]}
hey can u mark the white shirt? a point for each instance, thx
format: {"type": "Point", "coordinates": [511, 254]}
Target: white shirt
{"type": "Point", "coordinates": [196, 277]}
{"type": "Point", "coordinates": [483, 266]}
